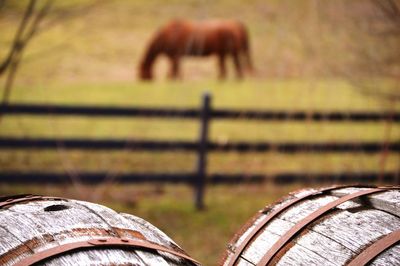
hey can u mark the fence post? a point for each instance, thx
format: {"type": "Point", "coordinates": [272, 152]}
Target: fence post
{"type": "Point", "coordinates": [200, 179]}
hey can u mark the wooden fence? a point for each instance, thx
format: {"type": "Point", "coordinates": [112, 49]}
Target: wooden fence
{"type": "Point", "coordinates": [199, 177]}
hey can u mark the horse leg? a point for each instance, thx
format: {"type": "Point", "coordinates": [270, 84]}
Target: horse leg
{"type": "Point", "coordinates": [238, 65]}
{"type": "Point", "coordinates": [246, 62]}
{"type": "Point", "coordinates": [175, 67]}
{"type": "Point", "coordinates": [222, 67]}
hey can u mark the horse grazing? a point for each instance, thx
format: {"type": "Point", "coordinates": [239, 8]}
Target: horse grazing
{"type": "Point", "coordinates": [187, 38]}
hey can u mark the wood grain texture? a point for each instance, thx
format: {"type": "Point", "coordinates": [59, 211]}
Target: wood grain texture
{"type": "Point", "coordinates": [333, 239]}
{"type": "Point", "coordinates": [30, 227]}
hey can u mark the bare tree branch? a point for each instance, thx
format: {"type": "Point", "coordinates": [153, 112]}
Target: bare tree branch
{"type": "Point", "coordinates": [37, 20]}
{"type": "Point", "coordinates": [375, 65]}
{"type": "Point", "coordinates": [10, 77]}
{"type": "Point", "coordinates": [26, 31]}
{"type": "Point", "coordinates": [62, 15]}
{"type": "Point", "coordinates": [390, 9]}
{"type": "Point", "coordinates": [16, 46]}
{"type": "Point", "coordinates": [31, 24]}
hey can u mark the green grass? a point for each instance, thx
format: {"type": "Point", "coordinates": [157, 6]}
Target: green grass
{"type": "Point", "coordinates": [169, 162]}
{"type": "Point", "coordinates": [268, 94]}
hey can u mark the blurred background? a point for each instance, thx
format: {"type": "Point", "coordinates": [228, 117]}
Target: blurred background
{"type": "Point", "coordinates": [310, 56]}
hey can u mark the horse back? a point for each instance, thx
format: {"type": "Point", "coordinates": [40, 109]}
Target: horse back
{"type": "Point", "coordinates": [202, 38]}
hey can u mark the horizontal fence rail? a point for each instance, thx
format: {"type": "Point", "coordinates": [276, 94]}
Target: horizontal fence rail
{"type": "Point", "coordinates": [139, 145]}
{"type": "Point", "coordinates": [223, 178]}
{"type": "Point", "coordinates": [90, 144]}
{"type": "Point", "coordinates": [65, 110]}
{"type": "Point", "coordinates": [76, 110]}
{"type": "Point", "coordinates": [205, 114]}
{"type": "Point", "coordinates": [304, 116]}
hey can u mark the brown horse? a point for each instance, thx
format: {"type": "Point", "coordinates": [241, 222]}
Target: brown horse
{"type": "Point", "coordinates": [187, 38]}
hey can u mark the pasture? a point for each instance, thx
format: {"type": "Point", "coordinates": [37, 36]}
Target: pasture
{"type": "Point", "coordinates": [93, 58]}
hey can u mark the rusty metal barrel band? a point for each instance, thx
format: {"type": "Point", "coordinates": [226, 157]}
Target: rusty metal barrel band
{"type": "Point", "coordinates": [311, 218]}
{"type": "Point", "coordinates": [25, 198]}
{"type": "Point", "coordinates": [371, 252]}
{"type": "Point", "coordinates": [97, 243]}
{"type": "Point", "coordinates": [239, 250]}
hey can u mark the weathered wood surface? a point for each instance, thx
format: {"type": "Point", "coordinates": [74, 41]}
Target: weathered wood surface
{"type": "Point", "coordinates": [30, 227]}
{"type": "Point", "coordinates": [334, 239]}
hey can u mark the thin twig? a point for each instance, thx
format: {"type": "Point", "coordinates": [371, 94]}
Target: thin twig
{"type": "Point", "coordinates": [16, 46]}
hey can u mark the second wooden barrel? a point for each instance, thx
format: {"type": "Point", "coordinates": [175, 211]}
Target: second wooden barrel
{"type": "Point", "coordinates": [328, 226]}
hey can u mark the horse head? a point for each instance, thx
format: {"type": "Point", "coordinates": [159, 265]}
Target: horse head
{"type": "Point", "coordinates": [153, 50]}
{"type": "Point", "coordinates": [145, 72]}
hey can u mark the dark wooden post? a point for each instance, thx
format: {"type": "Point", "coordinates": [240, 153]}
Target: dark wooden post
{"type": "Point", "coordinates": [202, 153]}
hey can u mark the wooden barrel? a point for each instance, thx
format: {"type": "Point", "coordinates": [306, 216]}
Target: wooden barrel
{"type": "Point", "coordinates": [329, 226]}
{"type": "Point", "coordinates": [55, 231]}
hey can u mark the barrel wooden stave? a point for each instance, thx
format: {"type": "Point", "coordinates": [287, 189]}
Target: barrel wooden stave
{"type": "Point", "coordinates": [388, 201]}
{"type": "Point", "coordinates": [31, 227]}
{"type": "Point", "coordinates": [99, 257]}
{"type": "Point", "coordinates": [276, 228]}
{"type": "Point", "coordinates": [388, 257]}
{"type": "Point", "coordinates": [131, 222]}
{"type": "Point", "coordinates": [333, 239]}
{"type": "Point", "coordinates": [152, 232]}
{"type": "Point", "coordinates": [346, 234]}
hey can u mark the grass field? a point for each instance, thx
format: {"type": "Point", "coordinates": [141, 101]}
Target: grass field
{"type": "Point", "coordinates": [92, 59]}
